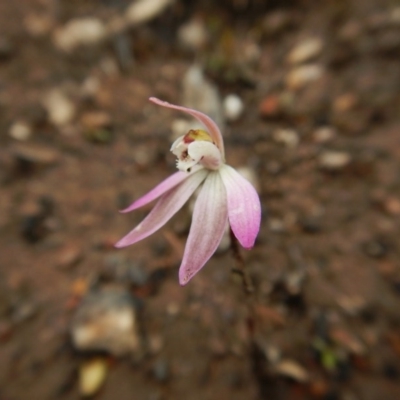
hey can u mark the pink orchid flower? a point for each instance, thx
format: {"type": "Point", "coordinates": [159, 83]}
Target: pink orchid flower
{"type": "Point", "coordinates": [224, 196]}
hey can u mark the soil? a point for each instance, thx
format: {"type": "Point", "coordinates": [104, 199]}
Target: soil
{"type": "Point", "coordinates": [323, 321]}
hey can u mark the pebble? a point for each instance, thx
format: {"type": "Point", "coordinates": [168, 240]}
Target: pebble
{"type": "Point", "coordinates": [60, 109]}
{"type": "Point", "coordinates": [34, 154]}
{"type": "Point", "coordinates": [142, 11]}
{"type": "Point", "coordinates": [96, 120]}
{"type": "Point", "coordinates": [347, 340]}
{"type": "Point", "coordinates": [301, 76]}
{"type": "Point", "coordinates": [305, 51]}
{"type": "Point", "coordinates": [20, 130]}
{"type": "Point", "coordinates": [79, 32]}
{"type": "Point", "coordinates": [233, 107]}
{"type": "Point", "coordinates": [345, 102]}
{"type": "Point", "coordinates": [270, 106]}
{"type": "Point", "coordinates": [276, 22]}
{"type": "Point", "coordinates": [69, 256]}
{"type": "Point", "coordinates": [38, 25]}
{"type": "Point", "coordinates": [92, 375]}
{"type": "Point", "coordinates": [324, 134]}
{"type": "Point", "coordinates": [292, 369]}
{"type": "Point", "coordinates": [107, 321]}
{"type": "Point", "coordinates": [193, 34]}
{"type": "Point", "coordinates": [334, 160]}
{"type": "Point", "coordinates": [288, 137]}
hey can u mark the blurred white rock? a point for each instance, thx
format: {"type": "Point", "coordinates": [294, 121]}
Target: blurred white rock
{"type": "Point", "coordinates": [79, 32]}
{"type": "Point", "coordinates": [305, 50]}
{"type": "Point", "coordinates": [141, 11]}
{"type": "Point", "coordinates": [288, 137]}
{"type": "Point", "coordinates": [333, 160]}
{"type": "Point", "coordinates": [60, 108]}
{"type": "Point", "coordinates": [106, 321]}
{"type": "Point", "coordinates": [20, 130]}
{"type": "Point", "coordinates": [233, 107]}
{"type": "Point", "coordinates": [324, 134]}
{"type": "Point", "coordinates": [300, 76]}
{"type": "Point", "coordinates": [193, 34]}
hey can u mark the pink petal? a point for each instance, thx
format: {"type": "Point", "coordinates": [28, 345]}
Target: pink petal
{"type": "Point", "coordinates": [209, 220]}
{"type": "Point", "coordinates": [211, 126]}
{"type": "Point", "coordinates": [244, 208]}
{"type": "Point", "coordinates": [167, 206]}
{"type": "Point", "coordinates": [160, 189]}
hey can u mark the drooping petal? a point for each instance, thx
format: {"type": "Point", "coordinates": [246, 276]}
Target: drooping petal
{"type": "Point", "coordinates": [167, 184]}
{"type": "Point", "coordinates": [204, 119]}
{"type": "Point", "coordinates": [244, 208]}
{"type": "Point", "coordinates": [205, 153]}
{"type": "Point", "coordinates": [210, 216]}
{"type": "Point", "coordinates": [167, 206]}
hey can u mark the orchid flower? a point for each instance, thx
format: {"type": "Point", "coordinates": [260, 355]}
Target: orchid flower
{"type": "Point", "coordinates": [224, 196]}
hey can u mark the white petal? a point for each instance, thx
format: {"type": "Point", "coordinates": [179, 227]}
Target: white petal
{"type": "Point", "coordinates": [205, 153]}
{"type": "Point", "coordinates": [208, 225]}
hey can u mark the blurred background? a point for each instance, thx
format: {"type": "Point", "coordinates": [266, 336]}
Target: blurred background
{"type": "Point", "coordinates": [308, 96]}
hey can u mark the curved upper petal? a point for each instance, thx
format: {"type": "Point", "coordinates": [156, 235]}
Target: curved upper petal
{"type": "Point", "coordinates": [204, 119]}
{"type": "Point", "coordinates": [167, 184]}
{"type": "Point", "coordinates": [209, 220]}
{"type": "Point", "coordinates": [244, 208]}
{"type": "Point", "coordinates": [167, 206]}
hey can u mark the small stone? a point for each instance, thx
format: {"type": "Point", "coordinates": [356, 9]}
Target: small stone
{"type": "Point", "coordinates": [38, 25]}
{"type": "Point", "coordinates": [80, 32]}
{"type": "Point", "coordinates": [35, 154]}
{"type": "Point", "coordinates": [20, 130]}
{"type": "Point", "coordinates": [324, 134]}
{"type": "Point", "coordinates": [347, 340]}
{"type": "Point", "coordinates": [69, 256]}
{"type": "Point", "coordinates": [107, 321]}
{"type": "Point", "coordinates": [300, 77]}
{"type": "Point", "coordinates": [345, 102]}
{"type": "Point", "coordinates": [288, 137]}
{"type": "Point", "coordinates": [270, 106]}
{"type": "Point", "coordinates": [59, 107]}
{"type": "Point", "coordinates": [392, 205]}
{"type": "Point", "coordinates": [233, 107]}
{"type": "Point", "coordinates": [292, 369]}
{"type": "Point", "coordinates": [142, 11]}
{"type": "Point", "coordinates": [305, 51]}
{"type": "Point", "coordinates": [193, 35]}
{"type": "Point", "coordinates": [96, 120]}
{"type": "Point", "coordinates": [92, 375]}
{"type": "Point", "coordinates": [276, 22]}
{"type": "Point", "coordinates": [334, 160]}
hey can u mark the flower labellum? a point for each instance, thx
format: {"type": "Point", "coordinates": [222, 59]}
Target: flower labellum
{"type": "Point", "coordinates": [225, 196]}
